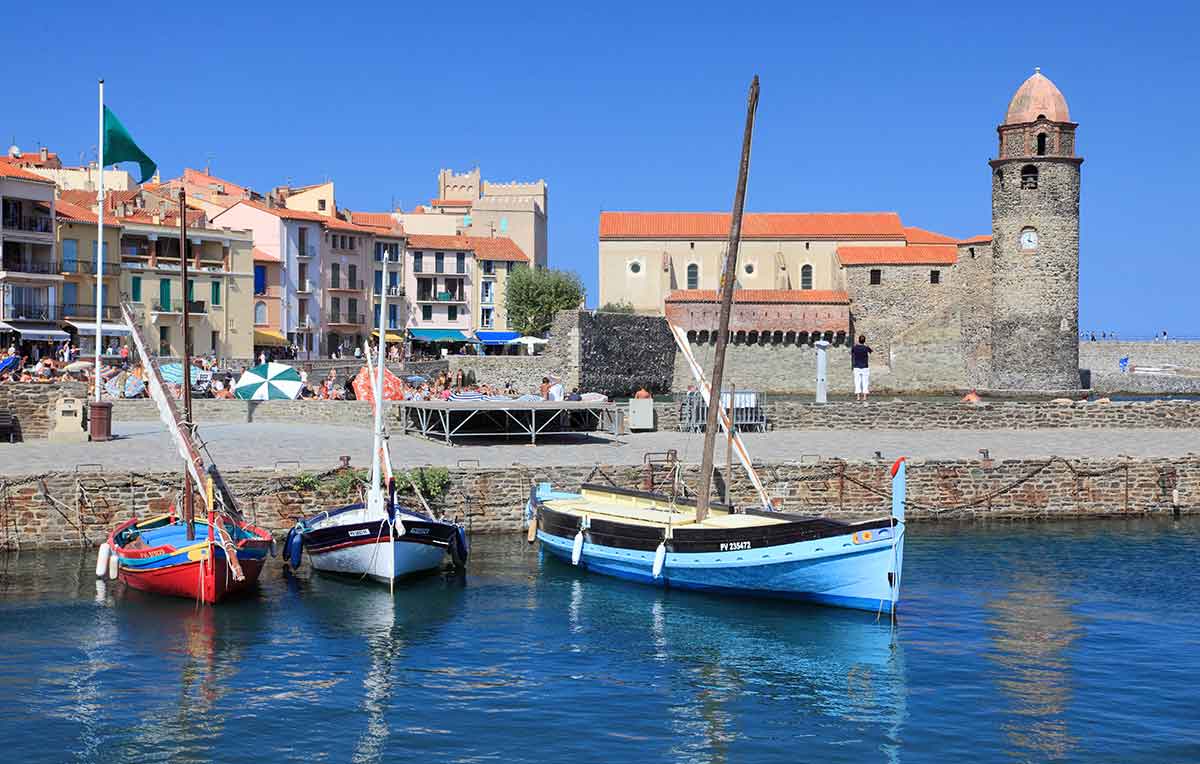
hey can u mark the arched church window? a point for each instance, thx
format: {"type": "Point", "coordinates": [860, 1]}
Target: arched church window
{"type": "Point", "coordinates": [1029, 176]}
{"type": "Point", "coordinates": [806, 277]}
{"type": "Point", "coordinates": [260, 313]}
{"type": "Point", "coordinates": [1041, 144]}
{"type": "Point", "coordinates": [693, 276]}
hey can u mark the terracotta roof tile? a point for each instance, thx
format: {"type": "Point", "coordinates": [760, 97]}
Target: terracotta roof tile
{"type": "Point", "coordinates": [916, 235]}
{"type": "Point", "coordinates": [9, 170]}
{"type": "Point", "coordinates": [73, 213]}
{"type": "Point", "coordinates": [499, 248]}
{"type": "Point", "coordinates": [981, 239]}
{"type": "Point", "coordinates": [914, 254]}
{"type": "Point", "coordinates": [34, 159]}
{"type": "Point", "coordinates": [80, 198]}
{"type": "Point", "coordinates": [755, 225]}
{"type": "Point", "coordinates": [197, 178]}
{"type": "Point", "coordinates": [262, 256]}
{"type": "Point", "coordinates": [743, 296]}
{"type": "Point", "coordinates": [375, 219]}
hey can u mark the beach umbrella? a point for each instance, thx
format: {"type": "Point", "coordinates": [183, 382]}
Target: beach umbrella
{"type": "Point", "coordinates": [115, 386]}
{"type": "Point", "coordinates": [415, 379]}
{"type": "Point", "coordinates": [528, 341]}
{"type": "Point", "coordinates": [172, 373]}
{"type": "Point", "coordinates": [363, 384]}
{"type": "Point", "coordinates": [72, 367]}
{"type": "Point", "coordinates": [10, 362]}
{"type": "Point", "coordinates": [134, 387]}
{"type": "Point", "coordinates": [269, 382]}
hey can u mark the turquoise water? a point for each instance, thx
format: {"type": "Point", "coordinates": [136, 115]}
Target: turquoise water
{"type": "Point", "coordinates": [1063, 642]}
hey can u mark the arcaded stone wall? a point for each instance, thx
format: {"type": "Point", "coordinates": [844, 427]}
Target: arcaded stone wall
{"type": "Point", "coordinates": [1035, 293]}
{"type": "Point", "coordinates": [32, 405]}
{"type": "Point", "coordinates": [492, 500]}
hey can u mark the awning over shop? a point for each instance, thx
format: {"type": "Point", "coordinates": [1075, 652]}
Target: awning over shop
{"type": "Point", "coordinates": [40, 332]}
{"type": "Point", "coordinates": [270, 338]}
{"type": "Point", "coordinates": [391, 336]}
{"type": "Point", "coordinates": [113, 330]}
{"type": "Point", "coordinates": [7, 327]}
{"type": "Point", "coordinates": [496, 338]}
{"type": "Point", "coordinates": [437, 335]}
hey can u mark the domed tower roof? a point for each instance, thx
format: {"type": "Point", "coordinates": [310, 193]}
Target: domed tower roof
{"type": "Point", "coordinates": [1037, 97]}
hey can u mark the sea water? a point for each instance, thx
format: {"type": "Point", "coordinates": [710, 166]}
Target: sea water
{"type": "Point", "coordinates": [1030, 642]}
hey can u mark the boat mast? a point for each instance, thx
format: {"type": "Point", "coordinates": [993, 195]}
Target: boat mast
{"type": "Point", "coordinates": [375, 496]}
{"type": "Point", "coordinates": [188, 509]}
{"type": "Point", "coordinates": [728, 278]}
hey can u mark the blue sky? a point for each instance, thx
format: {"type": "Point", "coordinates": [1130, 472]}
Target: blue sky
{"type": "Point", "coordinates": [865, 106]}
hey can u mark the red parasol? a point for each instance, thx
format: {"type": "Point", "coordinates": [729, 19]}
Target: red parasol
{"type": "Point", "coordinates": [393, 388]}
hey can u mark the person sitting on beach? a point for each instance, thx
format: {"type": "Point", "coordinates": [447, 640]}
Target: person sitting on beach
{"type": "Point", "coordinates": [574, 395]}
{"type": "Point", "coordinates": [544, 390]}
{"type": "Point", "coordinates": [972, 397]}
{"type": "Point", "coordinates": [643, 393]}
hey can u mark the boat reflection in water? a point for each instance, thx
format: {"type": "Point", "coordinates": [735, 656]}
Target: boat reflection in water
{"type": "Point", "coordinates": [389, 625]}
{"type": "Point", "coordinates": [830, 668]}
{"type": "Point", "coordinates": [1034, 631]}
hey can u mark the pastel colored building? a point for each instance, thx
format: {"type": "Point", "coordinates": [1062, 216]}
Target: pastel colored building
{"type": "Point", "coordinates": [31, 276]}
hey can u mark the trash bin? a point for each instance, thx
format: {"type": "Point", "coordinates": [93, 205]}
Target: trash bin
{"type": "Point", "coordinates": [100, 420]}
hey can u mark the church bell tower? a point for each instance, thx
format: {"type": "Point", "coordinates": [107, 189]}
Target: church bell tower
{"type": "Point", "coordinates": [1035, 244]}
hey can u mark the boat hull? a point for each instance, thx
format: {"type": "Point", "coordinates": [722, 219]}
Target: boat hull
{"type": "Point", "coordinates": [346, 544]}
{"type": "Point", "coordinates": [814, 559]}
{"type": "Point", "coordinates": [197, 570]}
{"type": "Point", "coordinates": [857, 577]}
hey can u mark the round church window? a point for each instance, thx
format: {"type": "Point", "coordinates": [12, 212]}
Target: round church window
{"type": "Point", "coordinates": [635, 267]}
{"type": "Point", "coordinates": [749, 268]}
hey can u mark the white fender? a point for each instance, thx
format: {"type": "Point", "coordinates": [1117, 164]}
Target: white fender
{"type": "Point", "coordinates": [399, 526]}
{"type": "Point", "coordinates": [112, 567]}
{"type": "Point", "coordinates": [660, 558]}
{"type": "Point", "coordinates": [577, 548]}
{"type": "Point", "coordinates": [102, 560]}
{"type": "Point", "coordinates": [531, 534]}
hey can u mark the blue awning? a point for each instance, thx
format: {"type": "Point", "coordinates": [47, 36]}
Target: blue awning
{"type": "Point", "coordinates": [496, 338]}
{"type": "Point", "coordinates": [437, 335]}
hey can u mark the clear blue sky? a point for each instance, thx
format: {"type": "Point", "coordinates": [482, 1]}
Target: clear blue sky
{"type": "Point", "coordinates": [871, 106]}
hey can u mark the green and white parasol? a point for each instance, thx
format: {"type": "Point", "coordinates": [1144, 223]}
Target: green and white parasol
{"type": "Point", "coordinates": [268, 382]}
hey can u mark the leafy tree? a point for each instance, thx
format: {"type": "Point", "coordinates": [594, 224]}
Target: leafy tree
{"type": "Point", "coordinates": [622, 306]}
{"type": "Point", "coordinates": [534, 295]}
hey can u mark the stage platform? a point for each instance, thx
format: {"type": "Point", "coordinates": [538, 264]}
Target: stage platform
{"type": "Point", "coordinates": [453, 421]}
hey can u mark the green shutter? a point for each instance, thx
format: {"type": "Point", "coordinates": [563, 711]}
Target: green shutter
{"type": "Point", "coordinates": [164, 293]}
{"type": "Point", "coordinates": [191, 290]}
{"type": "Point", "coordinates": [216, 293]}
{"type": "Point", "coordinates": [136, 288]}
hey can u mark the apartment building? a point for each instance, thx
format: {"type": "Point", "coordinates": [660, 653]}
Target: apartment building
{"type": "Point", "coordinates": [389, 244]}
{"type": "Point", "coordinates": [30, 274]}
{"type": "Point", "coordinates": [83, 177]}
{"type": "Point", "coordinates": [219, 288]}
{"type": "Point", "coordinates": [75, 227]}
{"type": "Point", "coordinates": [320, 261]}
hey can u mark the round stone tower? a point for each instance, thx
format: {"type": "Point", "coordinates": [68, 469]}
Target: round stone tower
{"type": "Point", "coordinates": [1035, 244]}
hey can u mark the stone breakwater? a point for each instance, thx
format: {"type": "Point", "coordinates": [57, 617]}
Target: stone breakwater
{"type": "Point", "coordinates": [62, 509]}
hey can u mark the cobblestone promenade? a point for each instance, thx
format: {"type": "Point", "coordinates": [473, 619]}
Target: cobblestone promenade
{"type": "Point", "coordinates": [145, 446]}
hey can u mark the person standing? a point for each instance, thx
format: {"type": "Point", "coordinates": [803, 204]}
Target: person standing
{"type": "Point", "coordinates": [860, 359]}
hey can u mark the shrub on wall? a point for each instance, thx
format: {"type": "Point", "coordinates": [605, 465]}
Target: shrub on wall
{"type": "Point", "coordinates": [534, 295]}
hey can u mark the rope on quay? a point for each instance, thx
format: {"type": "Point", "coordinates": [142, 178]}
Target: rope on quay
{"type": "Point", "coordinates": [988, 498]}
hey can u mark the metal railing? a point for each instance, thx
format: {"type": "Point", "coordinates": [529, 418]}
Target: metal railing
{"type": "Point", "coordinates": [33, 312]}
{"type": "Point", "coordinates": [309, 251]}
{"type": "Point", "coordinates": [80, 310]}
{"type": "Point", "coordinates": [31, 223]}
{"type": "Point", "coordinates": [354, 285]}
{"type": "Point", "coordinates": [749, 411]}
{"type": "Point", "coordinates": [304, 286]}
{"type": "Point", "coordinates": [176, 306]}
{"type": "Point", "coordinates": [88, 267]}
{"type": "Point", "coordinates": [356, 319]}
{"type": "Point", "coordinates": [29, 265]}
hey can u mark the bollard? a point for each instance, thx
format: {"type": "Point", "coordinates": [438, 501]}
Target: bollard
{"type": "Point", "coordinates": [822, 367]}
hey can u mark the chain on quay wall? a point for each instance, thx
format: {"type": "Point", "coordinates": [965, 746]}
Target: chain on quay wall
{"type": "Point", "coordinates": [65, 509]}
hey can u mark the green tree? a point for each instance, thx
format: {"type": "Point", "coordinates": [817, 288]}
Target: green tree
{"type": "Point", "coordinates": [534, 295]}
{"type": "Point", "coordinates": [621, 306]}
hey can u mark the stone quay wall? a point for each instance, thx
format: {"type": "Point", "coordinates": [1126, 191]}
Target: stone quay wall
{"type": "Point", "coordinates": [84, 507]}
{"type": "Point", "coordinates": [32, 405]}
{"type": "Point", "coordinates": [1105, 355]}
{"type": "Point", "coordinates": [1000, 415]}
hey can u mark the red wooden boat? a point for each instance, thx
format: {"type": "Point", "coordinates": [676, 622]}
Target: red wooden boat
{"type": "Point", "coordinates": [223, 559]}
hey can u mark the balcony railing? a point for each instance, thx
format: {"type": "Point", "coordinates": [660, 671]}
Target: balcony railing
{"type": "Point", "coordinates": [347, 284]}
{"type": "Point", "coordinates": [440, 297]}
{"type": "Point", "coordinates": [29, 265]}
{"type": "Point", "coordinates": [306, 251]}
{"type": "Point", "coordinates": [33, 224]}
{"type": "Point", "coordinates": [79, 310]}
{"type": "Point", "coordinates": [355, 319]}
{"type": "Point", "coordinates": [135, 250]}
{"type": "Point", "coordinates": [33, 312]}
{"type": "Point", "coordinates": [304, 286]}
{"type": "Point", "coordinates": [176, 306]}
{"type": "Point", "coordinates": [87, 267]}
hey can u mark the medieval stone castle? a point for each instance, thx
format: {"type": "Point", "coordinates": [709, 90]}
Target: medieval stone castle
{"type": "Point", "coordinates": [996, 312]}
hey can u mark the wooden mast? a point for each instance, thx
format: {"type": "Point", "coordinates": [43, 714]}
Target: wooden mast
{"type": "Point", "coordinates": [728, 278]}
{"type": "Point", "coordinates": [189, 513]}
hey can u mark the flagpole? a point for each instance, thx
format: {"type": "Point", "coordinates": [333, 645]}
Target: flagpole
{"type": "Point", "coordinates": [100, 244]}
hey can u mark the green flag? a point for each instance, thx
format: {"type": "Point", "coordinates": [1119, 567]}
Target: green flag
{"type": "Point", "coordinates": [119, 146]}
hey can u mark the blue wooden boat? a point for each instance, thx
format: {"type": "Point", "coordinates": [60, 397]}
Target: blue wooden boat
{"type": "Point", "coordinates": [654, 539]}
